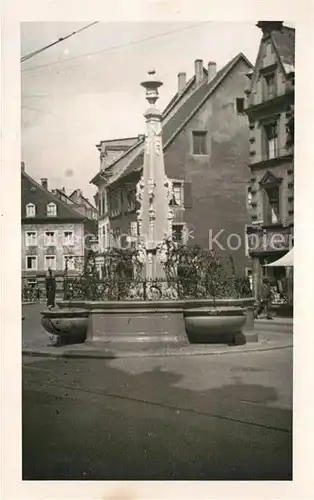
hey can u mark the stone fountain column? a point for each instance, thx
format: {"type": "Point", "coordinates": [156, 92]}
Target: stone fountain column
{"type": "Point", "coordinates": [154, 190]}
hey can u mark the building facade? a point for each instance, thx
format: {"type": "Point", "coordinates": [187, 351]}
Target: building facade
{"type": "Point", "coordinates": [206, 154]}
{"type": "Point", "coordinates": [83, 205]}
{"type": "Point", "coordinates": [54, 235]}
{"type": "Point", "coordinates": [270, 110]}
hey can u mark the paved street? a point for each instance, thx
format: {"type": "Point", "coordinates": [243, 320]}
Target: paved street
{"type": "Point", "coordinates": [201, 417]}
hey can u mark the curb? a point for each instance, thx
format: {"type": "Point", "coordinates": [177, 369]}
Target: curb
{"type": "Point", "coordinates": [93, 354]}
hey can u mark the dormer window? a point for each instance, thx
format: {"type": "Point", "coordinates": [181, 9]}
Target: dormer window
{"type": "Point", "coordinates": [51, 210]}
{"type": "Point", "coordinates": [270, 86]}
{"type": "Point", "coordinates": [30, 210]}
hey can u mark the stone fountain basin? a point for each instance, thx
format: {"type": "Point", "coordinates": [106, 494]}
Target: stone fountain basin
{"type": "Point", "coordinates": [215, 325]}
{"type": "Point", "coordinates": [142, 325]}
{"type": "Point", "coordinates": [69, 325]}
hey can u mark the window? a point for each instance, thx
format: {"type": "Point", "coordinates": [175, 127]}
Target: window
{"type": "Point", "coordinates": [50, 262]}
{"type": "Point", "coordinates": [31, 238]}
{"type": "Point", "coordinates": [50, 238]}
{"type": "Point", "coordinates": [249, 274]}
{"type": "Point", "coordinates": [30, 210]}
{"type": "Point", "coordinates": [177, 198]}
{"type": "Point", "coordinates": [106, 200]}
{"type": "Point", "coordinates": [131, 199]}
{"type": "Point", "coordinates": [240, 105]}
{"type": "Point", "coordinates": [107, 235]}
{"type": "Point", "coordinates": [270, 86]}
{"type": "Point", "coordinates": [103, 203]}
{"type": "Point", "coordinates": [31, 262]}
{"type": "Point", "coordinates": [100, 205]}
{"type": "Point", "coordinates": [68, 238]}
{"type": "Point", "coordinates": [33, 283]}
{"type": "Point", "coordinates": [249, 197]}
{"type": "Point", "coordinates": [51, 210]}
{"type": "Point", "coordinates": [115, 203]}
{"type": "Point", "coordinates": [271, 141]}
{"type": "Point", "coordinates": [178, 233]}
{"type": "Point", "coordinates": [199, 143]}
{"type": "Point", "coordinates": [69, 262]}
{"type": "Point", "coordinates": [272, 205]}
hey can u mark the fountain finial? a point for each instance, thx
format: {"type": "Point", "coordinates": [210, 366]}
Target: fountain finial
{"type": "Point", "coordinates": [151, 85]}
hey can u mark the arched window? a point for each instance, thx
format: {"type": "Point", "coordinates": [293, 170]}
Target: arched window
{"type": "Point", "coordinates": [30, 210]}
{"type": "Point", "coordinates": [51, 209]}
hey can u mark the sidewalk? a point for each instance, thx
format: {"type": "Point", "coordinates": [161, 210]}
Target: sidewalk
{"type": "Point", "coordinates": [282, 325]}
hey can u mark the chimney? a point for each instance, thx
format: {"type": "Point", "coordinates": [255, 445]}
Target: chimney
{"type": "Point", "coordinates": [181, 82]}
{"type": "Point", "coordinates": [44, 183]}
{"type": "Point", "coordinates": [269, 26]}
{"type": "Point", "coordinates": [22, 166]}
{"type": "Point", "coordinates": [212, 70]}
{"type": "Point", "coordinates": [198, 64]}
{"type": "Point", "coordinates": [63, 189]}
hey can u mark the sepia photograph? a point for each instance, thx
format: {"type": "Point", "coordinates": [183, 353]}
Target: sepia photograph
{"type": "Point", "coordinates": [157, 250]}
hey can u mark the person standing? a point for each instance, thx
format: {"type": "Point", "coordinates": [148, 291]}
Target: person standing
{"type": "Point", "coordinates": [265, 299]}
{"type": "Point", "coordinates": [50, 289]}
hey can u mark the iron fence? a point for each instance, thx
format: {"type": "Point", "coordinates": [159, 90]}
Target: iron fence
{"type": "Point", "coordinates": [145, 289]}
{"type": "Point", "coordinates": [31, 294]}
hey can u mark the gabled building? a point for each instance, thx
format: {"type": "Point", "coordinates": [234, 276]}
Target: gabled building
{"type": "Point", "coordinates": [83, 205]}
{"type": "Point", "coordinates": [269, 107]}
{"type": "Point", "coordinates": [206, 152]}
{"type": "Point", "coordinates": [54, 233]}
{"type": "Point", "coordinates": [78, 201]}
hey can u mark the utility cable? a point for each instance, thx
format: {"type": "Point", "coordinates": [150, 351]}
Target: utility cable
{"type": "Point", "coordinates": [116, 47]}
{"type": "Point", "coordinates": [36, 52]}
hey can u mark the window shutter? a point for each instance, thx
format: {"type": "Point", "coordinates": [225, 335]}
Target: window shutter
{"type": "Point", "coordinates": [188, 199]}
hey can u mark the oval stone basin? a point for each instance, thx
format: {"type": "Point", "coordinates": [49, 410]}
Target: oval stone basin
{"type": "Point", "coordinates": [69, 325]}
{"type": "Point", "coordinates": [210, 325]}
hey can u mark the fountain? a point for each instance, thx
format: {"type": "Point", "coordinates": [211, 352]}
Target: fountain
{"type": "Point", "coordinates": [154, 309]}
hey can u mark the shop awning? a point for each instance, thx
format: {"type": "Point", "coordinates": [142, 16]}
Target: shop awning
{"type": "Point", "coordinates": [285, 261]}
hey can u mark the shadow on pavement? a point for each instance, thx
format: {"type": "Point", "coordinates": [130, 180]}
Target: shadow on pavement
{"type": "Point", "coordinates": [92, 421]}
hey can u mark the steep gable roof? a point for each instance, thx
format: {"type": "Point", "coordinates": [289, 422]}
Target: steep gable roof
{"type": "Point", "coordinates": [177, 97]}
{"type": "Point", "coordinates": [86, 200]}
{"type": "Point", "coordinates": [284, 42]}
{"type": "Point", "coordinates": [34, 193]}
{"type": "Point", "coordinates": [61, 194]}
{"type": "Point", "coordinates": [188, 109]}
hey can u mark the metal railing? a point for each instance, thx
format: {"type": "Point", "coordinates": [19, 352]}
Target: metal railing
{"type": "Point", "coordinates": [145, 289]}
{"type": "Point", "coordinates": [31, 295]}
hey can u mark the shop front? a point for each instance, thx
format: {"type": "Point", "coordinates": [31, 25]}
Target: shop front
{"type": "Point", "coordinates": [272, 258]}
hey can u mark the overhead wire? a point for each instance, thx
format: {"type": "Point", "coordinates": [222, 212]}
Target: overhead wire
{"type": "Point", "coordinates": [62, 39]}
{"type": "Point", "coordinates": [116, 47]}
